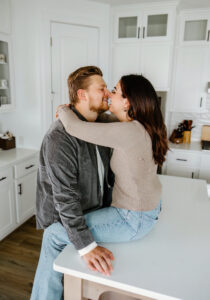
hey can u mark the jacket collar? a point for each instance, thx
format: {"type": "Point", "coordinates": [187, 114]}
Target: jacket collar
{"type": "Point", "coordinates": [77, 113]}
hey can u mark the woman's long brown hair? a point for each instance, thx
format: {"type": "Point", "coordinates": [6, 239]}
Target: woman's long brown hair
{"type": "Point", "coordinates": [145, 108]}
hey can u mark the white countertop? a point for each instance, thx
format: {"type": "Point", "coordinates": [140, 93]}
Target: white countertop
{"type": "Point", "coordinates": [9, 157]}
{"type": "Point", "coordinates": [172, 261]}
{"type": "Point", "coordinates": [193, 146]}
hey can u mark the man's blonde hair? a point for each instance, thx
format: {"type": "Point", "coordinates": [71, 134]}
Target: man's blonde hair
{"type": "Point", "coordinates": [81, 79]}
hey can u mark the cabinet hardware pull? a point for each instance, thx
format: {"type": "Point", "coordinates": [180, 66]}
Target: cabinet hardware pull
{"type": "Point", "coordinates": [29, 167]}
{"type": "Point", "coordinates": [192, 174]}
{"type": "Point", "coordinates": [139, 28]}
{"type": "Point", "coordinates": [143, 32]}
{"type": "Point", "coordinates": [20, 189]}
{"type": "Point", "coordinates": [181, 159]}
{"type": "Point", "coordinates": [208, 36]}
{"type": "Point", "coordinates": [201, 101]}
{"type": "Point", "coordinates": [3, 178]}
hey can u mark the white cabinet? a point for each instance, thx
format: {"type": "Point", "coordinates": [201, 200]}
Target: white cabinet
{"type": "Point", "coordinates": [122, 66]}
{"type": "Point", "coordinates": [191, 78]}
{"type": "Point", "coordinates": [195, 27]}
{"type": "Point", "coordinates": [18, 170]}
{"type": "Point", "coordinates": [143, 43]}
{"type": "Point", "coordinates": [25, 188]}
{"type": "Point", "coordinates": [6, 74]}
{"type": "Point", "coordinates": [191, 67]}
{"type": "Point", "coordinates": [143, 24]}
{"type": "Point", "coordinates": [25, 197]}
{"type": "Point", "coordinates": [183, 164]}
{"type": "Point", "coordinates": [7, 203]}
{"type": "Point", "coordinates": [205, 167]}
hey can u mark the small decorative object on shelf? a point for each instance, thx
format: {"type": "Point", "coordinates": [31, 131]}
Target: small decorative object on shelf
{"type": "Point", "coordinates": [7, 141]}
{"type": "Point", "coordinates": [2, 58]}
{"type": "Point", "coordinates": [3, 84]}
{"type": "Point", "coordinates": [183, 133]}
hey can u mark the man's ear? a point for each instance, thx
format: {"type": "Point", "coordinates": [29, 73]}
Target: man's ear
{"type": "Point", "coordinates": [81, 95]}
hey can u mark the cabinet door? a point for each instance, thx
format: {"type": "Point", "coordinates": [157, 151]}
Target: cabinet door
{"type": "Point", "coordinates": [181, 171]}
{"type": "Point", "coordinates": [156, 25]}
{"type": "Point", "coordinates": [125, 61]}
{"type": "Point", "coordinates": [6, 73]}
{"type": "Point", "coordinates": [155, 64]}
{"type": "Point", "coordinates": [190, 79]}
{"type": "Point", "coordinates": [7, 214]}
{"type": "Point", "coordinates": [127, 27]}
{"type": "Point", "coordinates": [25, 196]}
{"type": "Point", "coordinates": [205, 167]}
{"type": "Point", "coordinates": [195, 28]}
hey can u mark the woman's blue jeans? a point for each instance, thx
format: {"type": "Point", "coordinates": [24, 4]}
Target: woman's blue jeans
{"type": "Point", "coordinates": [108, 224]}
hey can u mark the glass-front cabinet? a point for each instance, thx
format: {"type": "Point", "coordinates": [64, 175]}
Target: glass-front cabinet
{"type": "Point", "coordinates": [6, 84]}
{"type": "Point", "coordinates": [147, 25]}
{"type": "Point", "coordinates": [195, 28]}
{"type": "Point", "coordinates": [127, 27]}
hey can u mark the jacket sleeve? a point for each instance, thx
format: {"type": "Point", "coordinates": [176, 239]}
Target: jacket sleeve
{"type": "Point", "coordinates": [62, 169]}
{"type": "Point", "coordinates": [116, 135]}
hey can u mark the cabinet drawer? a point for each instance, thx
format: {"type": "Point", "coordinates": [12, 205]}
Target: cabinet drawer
{"type": "Point", "coordinates": [5, 176]}
{"type": "Point", "coordinates": [183, 158]}
{"type": "Point", "coordinates": [26, 167]}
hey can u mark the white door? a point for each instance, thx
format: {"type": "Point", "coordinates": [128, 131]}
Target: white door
{"type": "Point", "coordinates": [25, 196]}
{"type": "Point", "coordinates": [73, 46]}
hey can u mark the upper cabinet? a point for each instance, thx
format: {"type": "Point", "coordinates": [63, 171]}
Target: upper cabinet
{"type": "Point", "coordinates": [143, 40]}
{"type": "Point", "coordinates": [195, 27]}
{"type": "Point", "coordinates": [6, 59]}
{"type": "Point", "coordinates": [6, 74]}
{"type": "Point", "coordinates": [192, 60]}
{"type": "Point", "coordinates": [145, 24]}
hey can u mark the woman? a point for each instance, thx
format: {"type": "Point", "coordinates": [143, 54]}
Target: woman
{"type": "Point", "coordinates": [140, 144]}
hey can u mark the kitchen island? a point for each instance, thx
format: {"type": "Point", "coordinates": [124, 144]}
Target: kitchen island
{"type": "Point", "coordinates": [171, 263]}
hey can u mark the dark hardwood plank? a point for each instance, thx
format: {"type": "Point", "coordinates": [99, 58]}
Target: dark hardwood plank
{"type": "Point", "coordinates": [19, 254]}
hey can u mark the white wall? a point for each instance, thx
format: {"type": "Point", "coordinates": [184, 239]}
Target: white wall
{"type": "Point", "coordinates": [30, 36]}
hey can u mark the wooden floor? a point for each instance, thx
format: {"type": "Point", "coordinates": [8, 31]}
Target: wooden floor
{"type": "Point", "coordinates": [19, 254]}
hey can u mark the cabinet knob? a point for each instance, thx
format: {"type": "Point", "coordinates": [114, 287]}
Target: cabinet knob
{"type": "Point", "coordinates": [20, 189]}
{"type": "Point", "coordinates": [201, 101]}
{"type": "Point", "coordinates": [208, 36]}
{"type": "Point", "coordinates": [3, 178]}
{"type": "Point", "coordinates": [181, 159]}
{"type": "Point", "coordinates": [143, 32]}
{"type": "Point", "coordinates": [29, 167]}
{"type": "Point", "coordinates": [139, 28]}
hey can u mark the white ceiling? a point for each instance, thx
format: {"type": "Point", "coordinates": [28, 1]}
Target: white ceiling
{"type": "Point", "coordinates": [183, 3]}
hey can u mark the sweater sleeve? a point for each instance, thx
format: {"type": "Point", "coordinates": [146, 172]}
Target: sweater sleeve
{"type": "Point", "coordinates": [114, 135]}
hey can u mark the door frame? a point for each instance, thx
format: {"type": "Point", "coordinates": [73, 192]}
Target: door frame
{"type": "Point", "coordinates": [45, 63]}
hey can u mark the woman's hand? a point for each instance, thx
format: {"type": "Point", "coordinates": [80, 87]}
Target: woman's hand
{"type": "Point", "coordinates": [61, 108]}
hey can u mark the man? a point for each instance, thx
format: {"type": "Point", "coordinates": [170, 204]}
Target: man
{"type": "Point", "coordinates": [72, 181]}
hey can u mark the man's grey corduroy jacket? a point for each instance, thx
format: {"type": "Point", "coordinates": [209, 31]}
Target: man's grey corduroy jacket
{"type": "Point", "coordinates": [68, 183]}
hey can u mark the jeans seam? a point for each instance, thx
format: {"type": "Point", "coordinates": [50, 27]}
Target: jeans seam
{"type": "Point", "coordinates": [129, 225]}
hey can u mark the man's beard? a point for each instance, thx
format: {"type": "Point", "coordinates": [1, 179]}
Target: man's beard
{"type": "Point", "coordinates": [99, 109]}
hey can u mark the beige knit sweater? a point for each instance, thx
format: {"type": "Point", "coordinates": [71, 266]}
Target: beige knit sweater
{"type": "Point", "coordinates": [136, 186]}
